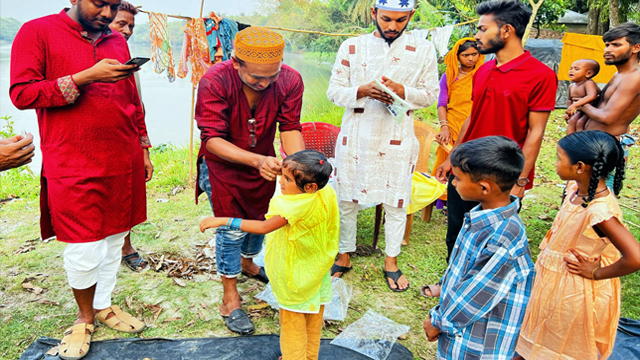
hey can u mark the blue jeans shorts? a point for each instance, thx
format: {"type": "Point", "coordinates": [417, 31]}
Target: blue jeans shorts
{"type": "Point", "coordinates": [203, 181]}
{"type": "Point", "coordinates": [626, 141]}
{"type": "Point", "coordinates": [231, 245]}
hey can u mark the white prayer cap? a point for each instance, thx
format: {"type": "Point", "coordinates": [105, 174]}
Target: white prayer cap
{"type": "Point", "coordinates": [395, 5]}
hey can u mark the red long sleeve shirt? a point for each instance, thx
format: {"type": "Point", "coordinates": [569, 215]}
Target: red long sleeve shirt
{"type": "Point", "coordinates": [91, 137]}
{"type": "Point", "coordinates": [223, 111]}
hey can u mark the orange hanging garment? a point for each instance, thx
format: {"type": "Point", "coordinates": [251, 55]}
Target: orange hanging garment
{"type": "Point", "coordinates": [195, 49]}
{"type": "Point", "coordinates": [161, 53]}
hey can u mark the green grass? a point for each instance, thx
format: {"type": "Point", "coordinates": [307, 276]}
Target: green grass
{"type": "Point", "coordinates": [171, 230]}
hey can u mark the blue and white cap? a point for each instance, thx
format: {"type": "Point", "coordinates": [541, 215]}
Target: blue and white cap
{"type": "Point", "coordinates": [395, 5]}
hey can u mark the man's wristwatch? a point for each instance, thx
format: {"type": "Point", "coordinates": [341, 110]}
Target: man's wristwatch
{"type": "Point", "coordinates": [522, 182]}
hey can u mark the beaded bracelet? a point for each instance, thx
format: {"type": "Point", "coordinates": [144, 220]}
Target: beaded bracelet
{"type": "Point", "coordinates": [235, 223]}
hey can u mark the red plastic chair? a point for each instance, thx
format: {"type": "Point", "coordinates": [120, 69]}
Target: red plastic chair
{"type": "Point", "coordinates": [318, 136]}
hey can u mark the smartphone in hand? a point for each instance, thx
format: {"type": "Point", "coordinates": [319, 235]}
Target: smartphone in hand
{"type": "Point", "coordinates": [139, 61]}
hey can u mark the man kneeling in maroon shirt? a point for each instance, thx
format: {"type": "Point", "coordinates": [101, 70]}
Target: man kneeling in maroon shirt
{"type": "Point", "coordinates": [240, 103]}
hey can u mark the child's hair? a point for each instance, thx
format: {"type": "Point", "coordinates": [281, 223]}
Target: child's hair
{"type": "Point", "coordinates": [307, 167]}
{"type": "Point", "coordinates": [593, 66]}
{"type": "Point", "coordinates": [496, 158]}
{"type": "Point", "coordinates": [600, 150]}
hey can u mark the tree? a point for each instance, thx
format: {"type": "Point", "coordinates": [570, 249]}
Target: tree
{"type": "Point", "coordinates": [614, 8]}
{"type": "Point", "coordinates": [9, 28]}
{"type": "Point", "coordinates": [604, 15]}
{"type": "Point", "coordinates": [547, 15]}
{"type": "Point", "coordinates": [595, 9]}
{"type": "Point", "coordinates": [359, 10]}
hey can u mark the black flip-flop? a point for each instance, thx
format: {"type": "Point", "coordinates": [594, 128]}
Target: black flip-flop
{"type": "Point", "coordinates": [394, 275]}
{"type": "Point", "coordinates": [134, 262]}
{"type": "Point", "coordinates": [261, 275]}
{"type": "Point", "coordinates": [238, 322]}
{"type": "Point", "coordinates": [335, 268]}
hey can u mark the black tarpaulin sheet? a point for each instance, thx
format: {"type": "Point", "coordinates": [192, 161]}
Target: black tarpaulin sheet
{"type": "Point", "coordinates": [627, 345]}
{"type": "Point", "coordinates": [258, 347]}
{"type": "Point", "coordinates": [549, 52]}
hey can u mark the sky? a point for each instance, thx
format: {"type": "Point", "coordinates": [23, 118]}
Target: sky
{"type": "Point", "coordinates": [24, 10]}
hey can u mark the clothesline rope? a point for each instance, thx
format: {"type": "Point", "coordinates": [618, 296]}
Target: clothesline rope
{"type": "Point", "coordinates": [270, 27]}
{"type": "Point", "coordinates": [306, 31]}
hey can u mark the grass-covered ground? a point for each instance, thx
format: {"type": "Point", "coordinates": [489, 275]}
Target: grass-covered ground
{"type": "Point", "coordinates": [175, 311]}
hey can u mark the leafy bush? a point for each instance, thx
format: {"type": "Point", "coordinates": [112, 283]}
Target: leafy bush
{"type": "Point", "coordinates": [20, 182]}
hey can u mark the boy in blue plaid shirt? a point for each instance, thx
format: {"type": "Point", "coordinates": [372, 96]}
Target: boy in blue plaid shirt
{"type": "Point", "coordinates": [487, 285]}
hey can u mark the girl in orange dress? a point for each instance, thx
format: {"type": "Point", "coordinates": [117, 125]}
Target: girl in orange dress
{"type": "Point", "coordinates": [575, 301]}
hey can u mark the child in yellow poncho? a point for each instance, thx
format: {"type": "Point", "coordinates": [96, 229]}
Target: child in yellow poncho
{"type": "Point", "coordinates": [303, 226]}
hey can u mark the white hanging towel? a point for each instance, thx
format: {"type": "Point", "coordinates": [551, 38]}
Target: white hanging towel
{"type": "Point", "coordinates": [440, 38]}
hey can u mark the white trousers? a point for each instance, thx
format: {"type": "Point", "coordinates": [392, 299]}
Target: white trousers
{"type": "Point", "coordinates": [395, 222]}
{"type": "Point", "coordinates": [92, 263]}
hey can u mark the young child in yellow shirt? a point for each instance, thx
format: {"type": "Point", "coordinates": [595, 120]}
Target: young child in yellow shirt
{"type": "Point", "coordinates": [303, 226]}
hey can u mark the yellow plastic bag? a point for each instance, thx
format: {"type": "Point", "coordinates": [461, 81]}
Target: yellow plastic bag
{"type": "Point", "coordinates": [425, 189]}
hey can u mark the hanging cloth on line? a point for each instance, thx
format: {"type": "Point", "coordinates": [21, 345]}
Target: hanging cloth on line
{"type": "Point", "coordinates": [227, 34]}
{"type": "Point", "coordinates": [211, 25]}
{"type": "Point", "coordinates": [161, 54]}
{"type": "Point", "coordinates": [195, 49]}
{"type": "Point", "coordinates": [440, 38]}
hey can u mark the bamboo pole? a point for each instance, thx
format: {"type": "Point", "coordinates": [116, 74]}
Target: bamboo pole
{"type": "Point", "coordinates": [536, 7]}
{"type": "Point", "coordinates": [633, 224]}
{"type": "Point", "coordinates": [308, 31]}
{"type": "Point", "coordinates": [171, 16]}
{"type": "Point", "coordinates": [329, 34]}
{"type": "Point", "coordinates": [629, 207]}
{"type": "Point", "coordinates": [191, 116]}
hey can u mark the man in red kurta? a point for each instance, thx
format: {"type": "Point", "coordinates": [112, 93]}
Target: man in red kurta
{"type": "Point", "coordinates": [240, 104]}
{"type": "Point", "coordinates": [68, 67]}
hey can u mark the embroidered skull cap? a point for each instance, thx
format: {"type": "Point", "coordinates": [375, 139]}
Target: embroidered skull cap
{"type": "Point", "coordinates": [395, 5]}
{"type": "Point", "coordinates": [259, 45]}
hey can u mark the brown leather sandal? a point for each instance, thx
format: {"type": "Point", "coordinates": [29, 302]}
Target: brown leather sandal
{"type": "Point", "coordinates": [76, 342]}
{"type": "Point", "coordinates": [121, 321]}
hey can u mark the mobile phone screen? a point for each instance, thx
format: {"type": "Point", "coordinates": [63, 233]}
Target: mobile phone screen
{"type": "Point", "coordinates": [137, 61]}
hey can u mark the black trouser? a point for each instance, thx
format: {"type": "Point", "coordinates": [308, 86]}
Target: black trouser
{"type": "Point", "coordinates": [456, 208]}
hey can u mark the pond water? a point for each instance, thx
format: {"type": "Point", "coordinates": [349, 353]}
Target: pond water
{"type": "Point", "coordinates": [168, 105]}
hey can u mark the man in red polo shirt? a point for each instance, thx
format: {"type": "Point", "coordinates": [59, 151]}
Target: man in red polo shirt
{"type": "Point", "coordinates": [512, 96]}
{"type": "Point", "coordinates": [68, 67]}
{"type": "Point", "coordinates": [240, 104]}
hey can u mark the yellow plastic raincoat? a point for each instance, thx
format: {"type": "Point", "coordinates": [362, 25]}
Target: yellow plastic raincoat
{"type": "Point", "coordinates": [299, 255]}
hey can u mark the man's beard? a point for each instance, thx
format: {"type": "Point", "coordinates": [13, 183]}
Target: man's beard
{"type": "Point", "coordinates": [87, 23]}
{"type": "Point", "coordinates": [621, 61]}
{"type": "Point", "coordinates": [495, 44]}
{"type": "Point", "coordinates": [389, 40]}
